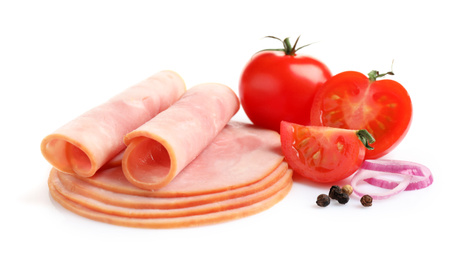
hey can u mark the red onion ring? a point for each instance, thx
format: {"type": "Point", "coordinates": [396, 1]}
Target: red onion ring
{"type": "Point", "coordinates": [414, 176]}
{"type": "Point", "coordinates": [421, 175]}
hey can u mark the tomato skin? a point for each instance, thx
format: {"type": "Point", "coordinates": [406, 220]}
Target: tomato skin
{"type": "Point", "coordinates": [275, 87]}
{"type": "Point", "coordinates": [350, 100]}
{"type": "Point", "coordinates": [321, 154]}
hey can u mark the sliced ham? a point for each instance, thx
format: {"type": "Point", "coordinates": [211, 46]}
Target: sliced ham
{"type": "Point", "coordinates": [89, 190]}
{"type": "Point", "coordinates": [158, 150]}
{"type": "Point", "coordinates": [240, 173]}
{"type": "Point", "coordinates": [114, 162]}
{"type": "Point", "coordinates": [86, 143]}
{"type": "Point", "coordinates": [211, 207]}
{"type": "Point", "coordinates": [158, 156]}
{"type": "Point", "coordinates": [172, 222]}
{"type": "Point", "coordinates": [241, 154]}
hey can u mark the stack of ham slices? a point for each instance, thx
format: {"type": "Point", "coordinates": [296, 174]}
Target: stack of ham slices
{"type": "Point", "coordinates": [160, 156]}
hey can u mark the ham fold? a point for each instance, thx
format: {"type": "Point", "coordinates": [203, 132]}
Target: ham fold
{"type": "Point", "coordinates": [86, 143]}
{"type": "Point", "coordinates": [158, 150]}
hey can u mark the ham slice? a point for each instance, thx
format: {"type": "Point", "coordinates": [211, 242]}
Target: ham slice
{"type": "Point", "coordinates": [86, 143]}
{"type": "Point", "coordinates": [158, 150]}
{"type": "Point", "coordinates": [125, 216]}
{"type": "Point", "coordinates": [151, 201]}
{"type": "Point", "coordinates": [211, 207]}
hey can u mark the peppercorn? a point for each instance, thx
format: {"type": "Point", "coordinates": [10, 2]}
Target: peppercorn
{"type": "Point", "coordinates": [323, 200]}
{"type": "Point", "coordinates": [335, 192]}
{"type": "Point", "coordinates": [343, 198]}
{"type": "Point", "coordinates": [366, 200]}
{"type": "Point", "coordinates": [347, 189]}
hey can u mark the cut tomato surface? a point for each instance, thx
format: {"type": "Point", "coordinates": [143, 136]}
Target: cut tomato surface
{"type": "Point", "coordinates": [351, 100]}
{"type": "Point", "coordinates": [321, 154]}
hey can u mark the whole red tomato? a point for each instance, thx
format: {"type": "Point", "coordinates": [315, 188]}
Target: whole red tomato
{"type": "Point", "coordinates": [352, 100]}
{"type": "Point", "coordinates": [279, 85]}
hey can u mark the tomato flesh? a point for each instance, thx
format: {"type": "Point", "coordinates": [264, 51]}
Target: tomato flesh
{"type": "Point", "coordinates": [350, 100]}
{"type": "Point", "coordinates": [275, 87]}
{"type": "Point", "coordinates": [321, 154]}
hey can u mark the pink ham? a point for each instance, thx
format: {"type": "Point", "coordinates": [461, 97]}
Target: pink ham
{"type": "Point", "coordinates": [210, 207]}
{"type": "Point", "coordinates": [240, 173]}
{"type": "Point", "coordinates": [217, 216]}
{"type": "Point", "coordinates": [86, 143]}
{"type": "Point", "coordinates": [150, 200]}
{"type": "Point", "coordinates": [240, 155]}
{"type": "Point", "coordinates": [158, 150]}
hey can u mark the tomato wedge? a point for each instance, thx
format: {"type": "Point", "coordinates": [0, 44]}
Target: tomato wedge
{"type": "Point", "coordinates": [352, 100]}
{"type": "Point", "coordinates": [323, 154]}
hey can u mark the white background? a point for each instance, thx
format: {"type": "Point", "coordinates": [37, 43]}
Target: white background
{"type": "Point", "coordinates": [61, 58]}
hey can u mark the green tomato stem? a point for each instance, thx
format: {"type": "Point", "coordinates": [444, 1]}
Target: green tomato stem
{"type": "Point", "coordinates": [288, 49]}
{"type": "Point", "coordinates": [374, 74]}
{"type": "Point", "coordinates": [366, 138]}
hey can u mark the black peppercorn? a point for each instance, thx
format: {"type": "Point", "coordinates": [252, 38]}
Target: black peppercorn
{"type": "Point", "coordinates": [323, 200]}
{"type": "Point", "coordinates": [366, 200]}
{"type": "Point", "coordinates": [335, 192]}
{"type": "Point", "coordinates": [343, 198]}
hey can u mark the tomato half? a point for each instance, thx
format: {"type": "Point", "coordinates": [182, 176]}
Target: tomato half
{"type": "Point", "coordinates": [276, 86]}
{"type": "Point", "coordinates": [351, 100]}
{"type": "Point", "coordinates": [322, 154]}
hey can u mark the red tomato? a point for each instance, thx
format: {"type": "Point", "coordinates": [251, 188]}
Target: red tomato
{"type": "Point", "coordinates": [276, 86]}
{"type": "Point", "coordinates": [351, 100]}
{"type": "Point", "coordinates": [322, 154]}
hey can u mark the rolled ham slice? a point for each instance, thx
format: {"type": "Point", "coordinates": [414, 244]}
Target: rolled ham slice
{"type": "Point", "coordinates": [158, 150]}
{"type": "Point", "coordinates": [86, 143]}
